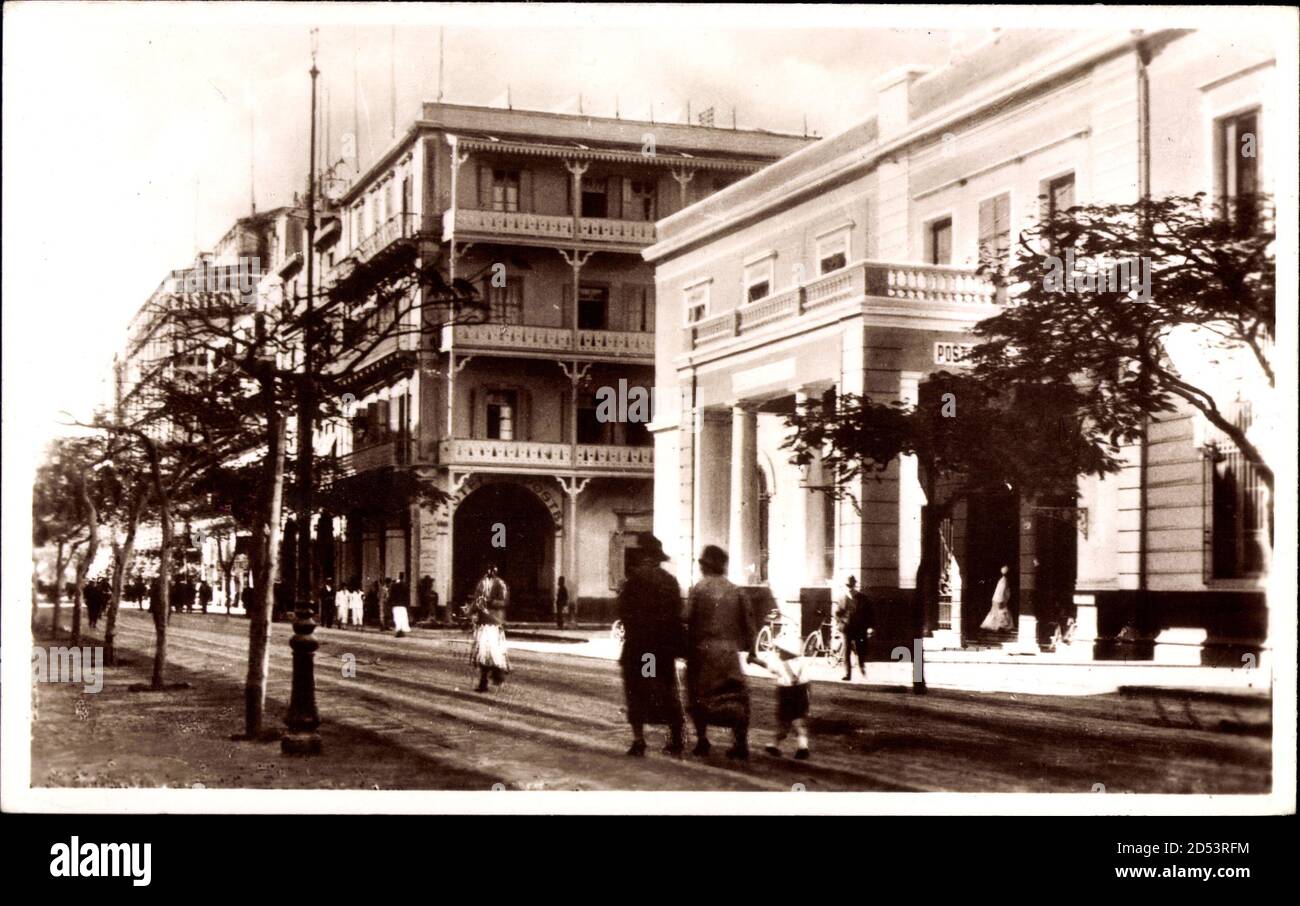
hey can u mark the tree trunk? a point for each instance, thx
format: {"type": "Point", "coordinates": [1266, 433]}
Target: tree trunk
{"type": "Point", "coordinates": [163, 613]}
{"type": "Point", "coordinates": [59, 566]}
{"type": "Point", "coordinates": [123, 554]}
{"type": "Point", "coordinates": [265, 547]}
{"type": "Point", "coordinates": [83, 566]}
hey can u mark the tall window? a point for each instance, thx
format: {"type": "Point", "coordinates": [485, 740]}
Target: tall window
{"type": "Point", "coordinates": [639, 308]}
{"type": "Point", "coordinates": [505, 190]}
{"type": "Point", "coordinates": [595, 197]}
{"type": "Point", "coordinates": [593, 307]}
{"type": "Point", "coordinates": [696, 303]}
{"type": "Point", "coordinates": [995, 228]}
{"type": "Point", "coordinates": [641, 200]}
{"type": "Point", "coordinates": [758, 279]}
{"type": "Point", "coordinates": [501, 408]}
{"type": "Point", "coordinates": [833, 251]}
{"type": "Point", "coordinates": [506, 303]}
{"type": "Point", "coordinates": [1240, 515]}
{"type": "Point", "coordinates": [939, 242]}
{"type": "Point", "coordinates": [1237, 156]}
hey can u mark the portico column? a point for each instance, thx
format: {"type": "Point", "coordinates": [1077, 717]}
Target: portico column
{"type": "Point", "coordinates": [814, 513]}
{"type": "Point", "coordinates": [744, 495]}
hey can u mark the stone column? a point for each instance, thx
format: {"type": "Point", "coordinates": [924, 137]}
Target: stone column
{"type": "Point", "coordinates": [814, 515]}
{"type": "Point", "coordinates": [744, 529]}
{"type": "Point", "coordinates": [712, 477]}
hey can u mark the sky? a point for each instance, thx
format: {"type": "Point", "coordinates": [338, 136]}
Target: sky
{"type": "Point", "coordinates": [135, 134]}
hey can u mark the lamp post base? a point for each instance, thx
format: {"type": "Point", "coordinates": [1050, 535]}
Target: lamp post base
{"type": "Point", "coordinates": [302, 719]}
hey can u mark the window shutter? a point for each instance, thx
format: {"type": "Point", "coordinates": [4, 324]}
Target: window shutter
{"type": "Point", "coordinates": [526, 191]}
{"type": "Point", "coordinates": [631, 309]}
{"type": "Point", "coordinates": [473, 414]}
{"type": "Point", "coordinates": [617, 542]}
{"type": "Point", "coordinates": [615, 189]}
{"type": "Point", "coordinates": [987, 218]}
{"type": "Point", "coordinates": [630, 211]}
{"type": "Point", "coordinates": [566, 305]}
{"type": "Point", "coordinates": [523, 418]}
{"type": "Point", "coordinates": [485, 188]}
{"type": "Point", "coordinates": [522, 296]}
{"type": "Point", "coordinates": [382, 411]}
{"type": "Point", "coordinates": [648, 292]}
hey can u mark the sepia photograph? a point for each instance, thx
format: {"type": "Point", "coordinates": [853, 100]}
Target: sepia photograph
{"type": "Point", "coordinates": [648, 409]}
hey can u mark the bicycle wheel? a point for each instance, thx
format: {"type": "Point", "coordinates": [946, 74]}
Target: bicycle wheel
{"type": "Point", "coordinates": [812, 646]}
{"type": "Point", "coordinates": [836, 651]}
{"type": "Point", "coordinates": [763, 642]}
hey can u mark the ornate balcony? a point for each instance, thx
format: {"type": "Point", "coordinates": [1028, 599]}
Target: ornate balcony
{"type": "Point", "coordinates": [386, 454]}
{"type": "Point", "coordinates": [548, 229]}
{"type": "Point", "coordinates": [538, 456]}
{"type": "Point", "coordinates": [526, 341]}
{"type": "Point", "coordinates": [922, 288]}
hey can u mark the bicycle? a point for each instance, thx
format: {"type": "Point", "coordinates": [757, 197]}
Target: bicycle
{"type": "Point", "coordinates": [772, 627]}
{"type": "Point", "coordinates": [830, 645]}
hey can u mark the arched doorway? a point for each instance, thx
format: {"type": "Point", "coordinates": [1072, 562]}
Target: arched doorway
{"type": "Point", "coordinates": [504, 524]}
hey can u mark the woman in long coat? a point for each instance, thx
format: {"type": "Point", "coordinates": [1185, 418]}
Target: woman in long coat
{"type": "Point", "coordinates": [718, 627]}
{"type": "Point", "coordinates": [649, 606]}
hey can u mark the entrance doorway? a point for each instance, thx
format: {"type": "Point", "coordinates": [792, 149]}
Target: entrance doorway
{"type": "Point", "coordinates": [992, 541]}
{"type": "Point", "coordinates": [505, 525]}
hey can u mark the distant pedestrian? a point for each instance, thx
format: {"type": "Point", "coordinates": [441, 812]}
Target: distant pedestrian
{"type": "Point", "coordinates": [328, 603]}
{"type": "Point", "coordinates": [426, 596]}
{"type": "Point", "coordinates": [718, 627]}
{"type": "Point", "coordinates": [488, 612]}
{"type": "Point", "coordinates": [999, 617]}
{"type": "Point", "coordinates": [786, 663]}
{"type": "Point", "coordinates": [246, 599]}
{"type": "Point", "coordinates": [649, 606]}
{"type": "Point", "coordinates": [205, 595]}
{"type": "Point", "coordinates": [400, 596]}
{"type": "Point", "coordinates": [357, 605]}
{"type": "Point", "coordinates": [849, 619]}
{"type": "Point", "coordinates": [383, 593]}
{"type": "Point", "coordinates": [561, 603]}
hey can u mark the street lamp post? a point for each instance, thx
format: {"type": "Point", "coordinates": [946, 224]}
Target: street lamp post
{"type": "Point", "coordinates": [302, 718]}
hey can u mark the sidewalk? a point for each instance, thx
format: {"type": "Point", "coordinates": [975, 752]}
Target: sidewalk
{"type": "Point", "coordinates": [978, 671]}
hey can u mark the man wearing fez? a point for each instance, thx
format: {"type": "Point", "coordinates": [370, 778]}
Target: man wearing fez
{"type": "Point", "coordinates": [650, 606]}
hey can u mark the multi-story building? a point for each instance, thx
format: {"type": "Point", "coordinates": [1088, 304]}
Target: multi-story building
{"type": "Point", "coordinates": [253, 261]}
{"type": "Point", "coordinates": [546, 216]}
{"type": "Point", "coordinates": [850, 266]}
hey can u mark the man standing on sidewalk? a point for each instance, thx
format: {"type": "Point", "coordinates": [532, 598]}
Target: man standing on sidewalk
{"type": "Point", "coordinates": [850, 615]}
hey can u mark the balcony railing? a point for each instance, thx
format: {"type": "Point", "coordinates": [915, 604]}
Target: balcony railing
{"type": "Point", "coordinates": [549, 227]}
{"type": "Point", "coordinates": [905, 283]}
{"type": "Point", "coordinates": [527, 339]}
{"type": "Point", "coordinates": [524, 454]}
{"type": "Point", "coordinates": [397, 228]}
{"type": "Point", "coordinates": [385, 454]}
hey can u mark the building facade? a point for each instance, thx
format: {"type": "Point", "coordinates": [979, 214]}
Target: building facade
{"type": "Point", "coordinates": [545, 216]}
{"type": "Point", "coordinates": [850, 266]}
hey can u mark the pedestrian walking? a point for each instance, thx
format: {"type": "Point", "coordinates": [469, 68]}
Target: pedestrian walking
{"type": "Point", "coordinates": [246, 598]}
{"type": "Point", "coordinates": [328, 603]}
{"type": "Point", "coordinates": [400, 596]}
{"type": "Point", "coordinates": [357, 602]}
{"type": "Point", "coordinates": [849, 616]}
{"type": "Point", "coordinates": [649, 605]}
{"type": "Point", "coordinates": [561, 603]}
{"type": "Point", "coordinates": [488, 612]}
{"type": "Point", "coordinates": [793, 693]}
{"type": "Point", "coordinates": [999, 617]}
{"type": "Point", "coordinates": [383, 593]}
{"type": "Point", "coordinates": [718, 627]}
{"type": "Point", "coordinates": [427, 596]}
{"type": "Point", "coordinates": [205, 595]}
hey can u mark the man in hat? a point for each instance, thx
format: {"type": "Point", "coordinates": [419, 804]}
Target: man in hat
{"type": "Point", "coordinates": [718, 627]}
{"type": "Point", "coordinates": [849, 620]}
{"type": "Point", "coordinates": [650, 606]}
